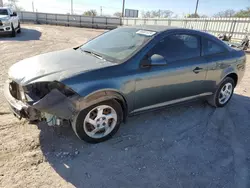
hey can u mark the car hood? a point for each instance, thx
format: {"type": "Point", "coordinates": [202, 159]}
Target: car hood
{"type": "Point", "coordinates": [53, 66]}
{"type": "Point", "coordinates": [4, 17]}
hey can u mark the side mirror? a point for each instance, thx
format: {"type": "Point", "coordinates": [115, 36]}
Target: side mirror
{"type": "Point", "coordinates": [157, 60]}
{"type": "Point", "coordinates": [14, 14]}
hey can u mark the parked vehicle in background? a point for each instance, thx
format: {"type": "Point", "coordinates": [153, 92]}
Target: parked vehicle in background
{"type": "Point", "coordinates": [9, 22]}
{"type": "Point", "coordinates": [122, 72]}
{"type": "Point", "coordinates": [224, 37]}
{"type": "Point", "coordinates": [244, 44]}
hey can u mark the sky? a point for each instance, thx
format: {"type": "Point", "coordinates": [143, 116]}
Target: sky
{"type": "Point", "coordinates": [179, 7]}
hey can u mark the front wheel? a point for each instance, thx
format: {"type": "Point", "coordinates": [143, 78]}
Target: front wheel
{"type": "Point", "coordinates": [13, 31]}
{"type": "Point", "coordinates": [98, 122]}
{"type": "Point", "coordinates": [223, 94]}
{"type": "Point", "coordinates": [19, 28]}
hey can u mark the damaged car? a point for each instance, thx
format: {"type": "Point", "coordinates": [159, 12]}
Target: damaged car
{"type": "Point", "coordinates": [123, 72]}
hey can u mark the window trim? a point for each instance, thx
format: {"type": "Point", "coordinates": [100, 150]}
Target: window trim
{"type": "Point", "coordinates": [216, 42]}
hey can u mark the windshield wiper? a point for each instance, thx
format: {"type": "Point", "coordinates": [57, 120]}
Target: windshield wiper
{"type": "Point", "coordinates": [94, 54]}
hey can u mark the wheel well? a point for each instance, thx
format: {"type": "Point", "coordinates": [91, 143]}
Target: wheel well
{"type": "Point", "coordinates": [234, 77]}
{"type": "Point", "coordinates": [109, 95]}
{"type": "Point", "coordinates": [124, 108]}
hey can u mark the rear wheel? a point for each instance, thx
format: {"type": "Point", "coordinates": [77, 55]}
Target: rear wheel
{"type": "Point", "coordinates": [223, 94]}
{"type": "Point", "coordinates": [99, 122]}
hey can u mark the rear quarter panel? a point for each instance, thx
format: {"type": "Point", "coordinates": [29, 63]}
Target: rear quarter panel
{"type": "Point", "coordinates": [221, 65]}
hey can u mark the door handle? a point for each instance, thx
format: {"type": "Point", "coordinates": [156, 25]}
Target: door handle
{"type": "Point", "coordinates": [197, 70]}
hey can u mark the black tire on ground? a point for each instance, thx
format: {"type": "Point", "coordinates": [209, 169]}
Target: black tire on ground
{"type": "Point", "coordinates": [78, 125]}
{"type": "Point", "coordinates": [13, 31]}
{"type": "Point", "coordinates": [213, 100]}
{"type": "Point", "coordinates": [19, 28]}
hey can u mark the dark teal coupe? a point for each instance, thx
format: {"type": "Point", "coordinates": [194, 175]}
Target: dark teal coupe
{"type": "Point", "coordinates": [124, 71]}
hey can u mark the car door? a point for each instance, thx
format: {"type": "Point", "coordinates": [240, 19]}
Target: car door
{"type": "Point", "coordinates": [180, 79]}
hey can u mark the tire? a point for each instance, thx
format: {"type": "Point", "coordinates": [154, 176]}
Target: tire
{"type": "Point", "coordinates": [13, 31]}
{"type": "Point", "coordinates": [83, 129]}
{"type": "Point", "coordinates": [215, 99]}
{"type": "Point", "coordinates": [19, 28]}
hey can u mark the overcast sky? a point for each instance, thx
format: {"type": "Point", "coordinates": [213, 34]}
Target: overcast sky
{"type": "Point", "coordinates": [180, 7]}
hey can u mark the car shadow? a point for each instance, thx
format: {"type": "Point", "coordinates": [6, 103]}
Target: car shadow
{"type": "Point", "coordinates": [191, 145]}
{"type": "Point", "coordinates": [25, 35]}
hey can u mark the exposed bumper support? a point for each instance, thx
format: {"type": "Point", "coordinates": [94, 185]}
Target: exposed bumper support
{"type": "Point", "coordinates": [54, 103]}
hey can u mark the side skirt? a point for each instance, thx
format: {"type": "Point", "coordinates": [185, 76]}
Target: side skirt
{"type": "Point", "coordinates": [169, 103]}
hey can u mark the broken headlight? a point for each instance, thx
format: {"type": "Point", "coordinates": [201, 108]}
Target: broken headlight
{"type": "Point", "coordinates": [37, 91]}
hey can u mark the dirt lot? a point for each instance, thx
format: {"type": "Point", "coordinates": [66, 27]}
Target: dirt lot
{"type": "Point", "coordinates": [184, 146]}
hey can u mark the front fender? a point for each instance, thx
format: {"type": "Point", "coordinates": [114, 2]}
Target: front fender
{"type": "Point", "coordinates": [100, 96]}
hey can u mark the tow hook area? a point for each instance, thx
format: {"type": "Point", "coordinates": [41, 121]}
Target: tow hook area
{"type": "Point", "coordinates": [52, 120]}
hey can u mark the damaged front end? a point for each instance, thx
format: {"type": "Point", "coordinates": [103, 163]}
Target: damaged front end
{"type": "Point", "coordinates": [52, 101]}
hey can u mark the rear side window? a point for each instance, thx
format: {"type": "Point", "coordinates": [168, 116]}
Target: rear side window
{"type": "Point", "coordinates": [178, 47]}
{"type": "Point", "coordinates": [210, 47]}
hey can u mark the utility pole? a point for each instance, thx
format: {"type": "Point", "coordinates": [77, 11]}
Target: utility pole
{"type": "Point", "coordinates": [197, 3]}
{"type": "Point", "coordinates": [101, 10]}
{"type": "Point", "coordinates": [33, 6]}
{"type": "Point", "coordinates": [1, 3]}
{"type": "Point", "coordinates": [72, 12]}
{"type": "Point", "coordinates": [123, 6]}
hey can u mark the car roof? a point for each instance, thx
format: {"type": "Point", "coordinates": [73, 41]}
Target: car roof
{"type": "Point", "coordinates": [4, 8]}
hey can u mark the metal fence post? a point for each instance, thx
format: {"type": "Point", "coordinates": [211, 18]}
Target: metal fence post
{"type": "Point", "coordinates": [22, 17]}
{"type": "Point", "coordinates": [106, 22]}
{"type": "Point", "coordinates": [68, 20]}
{"type": "Point", "coordinates": [169, 22]}
{"type": "Point", "coordinates": [36, 17]}
{"type": "Point", "coordinates": [232, 27]}
{"type": "Point", "coordinates": [205, 25]}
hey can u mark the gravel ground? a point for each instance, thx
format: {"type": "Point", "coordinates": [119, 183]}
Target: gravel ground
{"type": "Point", "coordinates": [192, 145]}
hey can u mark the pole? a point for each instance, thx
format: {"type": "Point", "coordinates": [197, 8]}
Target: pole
{"type": "Point", "coordinates": [33, 6]}
{"type": "Point", "coordinates": [1, 3]}
{"type": "Point", "coordinates": [72, 12]}
{"type": "Point", "coordinates": [101, 10]}
{"type": "Point", "coordinates": [123, 6]}
{"type": "Point", "coordinates": [197, 3]}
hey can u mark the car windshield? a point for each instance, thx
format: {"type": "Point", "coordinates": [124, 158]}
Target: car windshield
{"type": "Point", "coordinates": [118, 44]}
{"type": "Point", "coordinates": [3, 12]}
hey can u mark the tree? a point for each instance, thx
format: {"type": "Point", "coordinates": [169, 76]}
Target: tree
{"type": "Point", "coordinates": [193, 15]}
{"type": "Point", "coordinates": [243, 13]}
{"type": "Point", "coordinates": [118, 14]}
{"type": "Point", "coordinates": [157, 14]}
{"type": "Point", "coordinates": [225, 14]}
{"type": "Point", "coordinates": [13, 4]}
{"type": "Point", "coordinates": [203, 16]}
{"type": "Point", "coordinates": [90, 13]}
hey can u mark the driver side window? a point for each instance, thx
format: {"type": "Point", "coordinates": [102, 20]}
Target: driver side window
{"type": "Point", "coordinates": [178, 47]}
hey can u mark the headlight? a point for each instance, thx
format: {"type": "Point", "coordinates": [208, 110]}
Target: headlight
{"type": "Point", "coordinates": [37, 91]}
{"type": "Point", "coordinates": [6, 23]}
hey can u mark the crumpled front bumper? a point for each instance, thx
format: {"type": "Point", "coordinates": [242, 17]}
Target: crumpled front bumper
{"type": "Point", "coordinates": [19, 108]}
{"type": "Point", "coordinates": [54, 103]}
